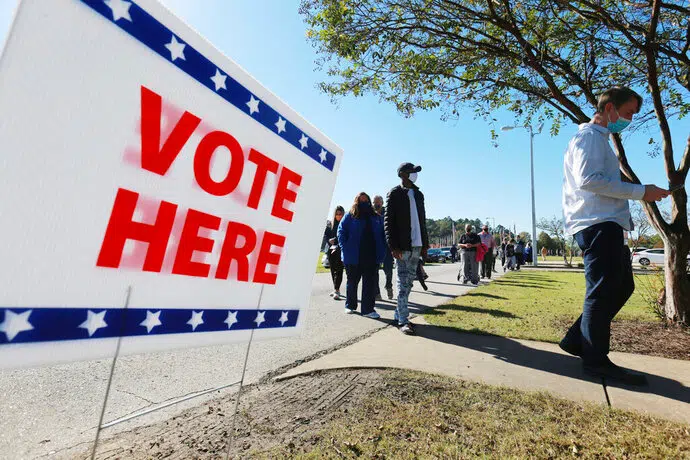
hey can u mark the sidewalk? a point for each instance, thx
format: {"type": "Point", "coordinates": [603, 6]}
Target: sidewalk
{"type": "Point", "coordinates": [523, 364]}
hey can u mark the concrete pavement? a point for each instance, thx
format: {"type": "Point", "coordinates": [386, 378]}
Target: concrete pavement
{"type": "Point", "coordinates": [523, 364]}
{"type": "Point", "coordinates": [50, 410]}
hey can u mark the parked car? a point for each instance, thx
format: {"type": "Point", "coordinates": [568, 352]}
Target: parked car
{"type": "Point", "coordinates": [435, 255]}
{"type": "Point", "coordinates": [646, 257]}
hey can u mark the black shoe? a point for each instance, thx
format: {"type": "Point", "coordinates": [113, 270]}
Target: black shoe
{"type": "Point", "coordinates": [610, 371]}
{"type": "Point", "coordinates": [458, 277]}
{"type": "Point", "coordinates": [570, 348]}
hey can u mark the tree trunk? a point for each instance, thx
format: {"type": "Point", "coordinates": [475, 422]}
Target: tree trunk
{"type": "Point", "coordinates": [677, 285]}
{"type": "Point", "coordinates": [565, 255]}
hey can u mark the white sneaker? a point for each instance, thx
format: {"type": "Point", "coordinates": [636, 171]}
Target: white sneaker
{"type": "Point", "coordinates": [337, 296]}
{"type": "Point", "coordinates": [332, 294]}
{"type": "Point", "coordinates": [372, 315]}
{"type": "Point", "coordinates": [349, 312]}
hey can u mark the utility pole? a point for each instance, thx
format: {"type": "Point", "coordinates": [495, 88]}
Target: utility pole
{"type": "Point", "coordinates": [531, 160]}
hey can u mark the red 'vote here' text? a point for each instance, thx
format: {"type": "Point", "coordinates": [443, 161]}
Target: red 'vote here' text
{"type": "Point", "coordinates": [240, 242]}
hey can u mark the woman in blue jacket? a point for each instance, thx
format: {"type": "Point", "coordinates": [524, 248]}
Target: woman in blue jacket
{"type": "Point", "coordinates": [363, 248]}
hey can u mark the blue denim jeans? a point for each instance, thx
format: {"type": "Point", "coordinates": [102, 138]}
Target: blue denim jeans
{"type": "Point", "coordinates": [407, 272]}
{"type": "Point", "coordinates": [609, 280]}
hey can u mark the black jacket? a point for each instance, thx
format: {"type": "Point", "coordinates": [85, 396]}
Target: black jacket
{"type": "Point", "coordinates": [397, 219]}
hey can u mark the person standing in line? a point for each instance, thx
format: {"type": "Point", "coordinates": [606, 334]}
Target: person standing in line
{"type": "Point", "coordinates": [596, 211]}
{"type": "Point", "coordinates": [504, 242]}
{"type": "Point", "coordinates": [510, 255]}
{"type": "Point", "coordinates": [487, 263]}
{"type": "Point", "coordinates": [528, 253]}
{"type": "Point", "coordinates": [363, 245]}
{"type": "Point", "coordinates": [469, 242]}
{"type": "Point", "coordinates": [406, 234]}
{"type": "Point", "coordinates": [544, 251]}
{"type": "Point", "coordinates": [519, 254]}
{"type": "Point", "coordinates": [388, 260]}
{"type": "Point", "coordinates": [334, 255]}
{"type": "Point", "coordinates": [453, 253]}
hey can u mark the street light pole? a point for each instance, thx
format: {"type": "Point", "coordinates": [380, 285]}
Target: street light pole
{"type": "Point", "coordinates": [531, 160]}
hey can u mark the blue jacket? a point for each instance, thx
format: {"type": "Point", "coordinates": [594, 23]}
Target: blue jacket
{"type": "Point", "coordinates": [350, 235]}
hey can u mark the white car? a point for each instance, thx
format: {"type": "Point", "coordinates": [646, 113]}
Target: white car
{"type": "Point", "coordinates": [645, 257]}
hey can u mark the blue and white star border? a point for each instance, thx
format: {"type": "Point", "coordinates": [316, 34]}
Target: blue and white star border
{"type": "Point", "coordinates": [31, 325]}
{"type": "Point", "coordinates": [139, 24]}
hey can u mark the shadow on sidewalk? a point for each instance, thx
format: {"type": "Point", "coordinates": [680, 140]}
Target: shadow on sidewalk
{"type": "Point", "coordinates": [514, 352]}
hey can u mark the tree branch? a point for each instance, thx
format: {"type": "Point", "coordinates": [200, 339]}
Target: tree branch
{"type": "Point", "coordinates": [653, 82]}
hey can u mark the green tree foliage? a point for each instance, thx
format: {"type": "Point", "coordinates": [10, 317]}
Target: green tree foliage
{"type": "Point", "coordinates": [545, 241]}
{"type": "Point", "coordinates": [543, 60]}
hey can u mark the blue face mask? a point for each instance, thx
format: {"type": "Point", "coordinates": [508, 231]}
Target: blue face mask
{"type": "Point", "coordinates": [618, 125]}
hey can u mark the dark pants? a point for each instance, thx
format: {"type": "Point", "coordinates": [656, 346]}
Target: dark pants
{"type": "Point", "coordinates": [609, 278]}
{"type": "Point", "coordinates": [421, 274]}
{"type": "Point", "coordinates": [336, 269]}
{"type": "Point", "coordinates": [388, 271]}
{"type": "Point", "coordinates": [368, 274]}
{"type": "Point", "coordinates": [487, 265]}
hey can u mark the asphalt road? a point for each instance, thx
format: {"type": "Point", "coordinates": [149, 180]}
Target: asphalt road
{"type": "Point", "coordinates": [53, 411]}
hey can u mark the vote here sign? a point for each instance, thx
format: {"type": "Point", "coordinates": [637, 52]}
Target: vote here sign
{"type": "Point", "coordinates": [133, 154]}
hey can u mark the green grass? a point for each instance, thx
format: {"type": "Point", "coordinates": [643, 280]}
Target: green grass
{"type": "Point", "coordinates": [415, 415]}
{"type": "Point", "coordinates": [526, 305]}
{"type": "Point", "coordinates": [320, 268]}
{"type": "Point", "coordinates": [576, 260]}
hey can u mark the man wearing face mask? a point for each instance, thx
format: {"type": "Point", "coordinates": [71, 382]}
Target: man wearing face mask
{"type": "Point", "coordinates": [596, 211]}
{"type": "Point", "coordinates": [406, 235]}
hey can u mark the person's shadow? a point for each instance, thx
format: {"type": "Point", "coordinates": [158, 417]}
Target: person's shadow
{"type": "Point", "coordinates": [514, 352]}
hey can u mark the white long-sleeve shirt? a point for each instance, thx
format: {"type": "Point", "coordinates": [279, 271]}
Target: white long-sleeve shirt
{"type": "Point", "coordinates": [593, 191]}
{"type": "Point", "coordinates": [415, 229]}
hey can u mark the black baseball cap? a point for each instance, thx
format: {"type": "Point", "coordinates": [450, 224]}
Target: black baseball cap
{"type": "Point", "coordinates": [408, 168]}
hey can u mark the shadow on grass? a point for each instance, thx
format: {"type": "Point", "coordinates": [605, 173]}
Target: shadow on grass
{"type": "Point", "coordinates": [442, 309]}
{"type": "Point", "coordinates": [514, 352]}
{"type": "Point", "coordinates": [484, 294]}
{"type": "Point", "coordinates": [537, 279]}
{"type": "Point", "coordinates": [517, 283]}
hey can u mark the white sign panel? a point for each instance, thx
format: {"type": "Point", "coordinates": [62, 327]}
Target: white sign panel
{"type": "Point", "coordinates": [133, 154]}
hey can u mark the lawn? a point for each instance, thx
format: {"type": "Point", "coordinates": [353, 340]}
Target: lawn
{"type": "Point", "coordinates": [527, 305]}
{"type": "Point", "coordinates": [413, 415]}
{"type": "Point", "coordinates": [576, 260]}
{"type": "Point", "coordinates": [320, 268]}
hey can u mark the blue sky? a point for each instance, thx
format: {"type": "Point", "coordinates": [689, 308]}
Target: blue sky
{"type": "Point", "coordinates": [462, 176]}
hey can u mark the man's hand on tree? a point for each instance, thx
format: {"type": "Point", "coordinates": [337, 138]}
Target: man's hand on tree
{"type": "Point", "coordinates": [653, 193]}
